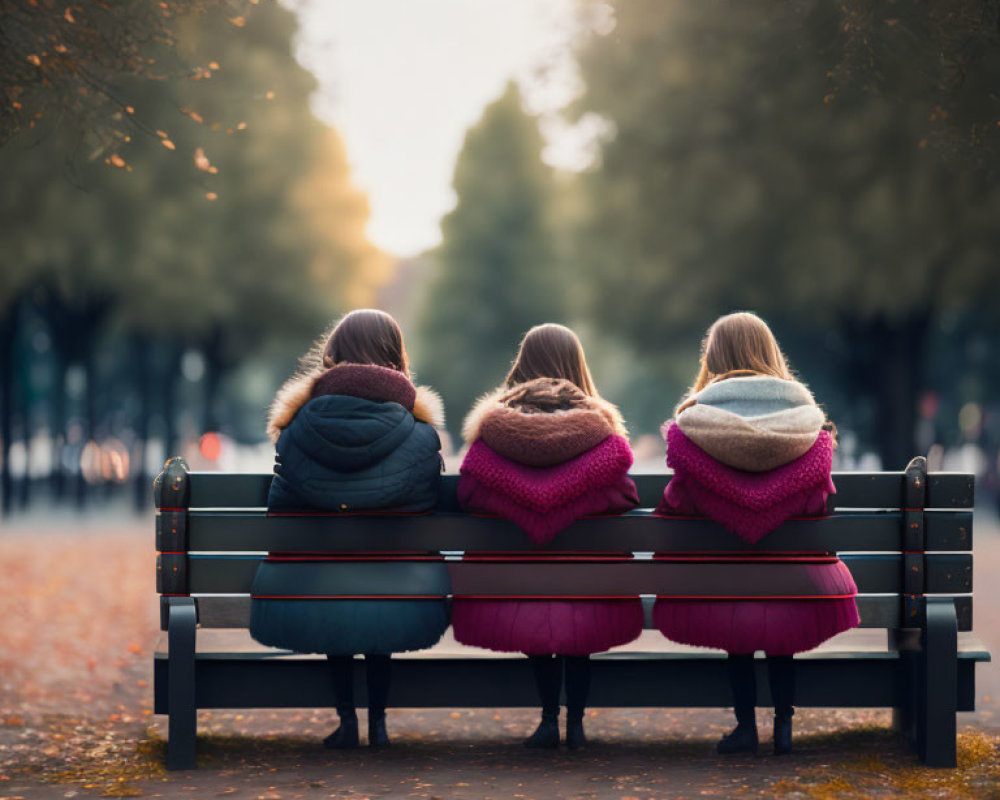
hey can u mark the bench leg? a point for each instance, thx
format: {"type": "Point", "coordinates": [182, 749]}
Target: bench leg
{"type": "Point", "coordinates": [182, 725]}
{"type": "Point", "coordinates": [938, 686]}
{"type": "Point", "coordinates": [905, 715]}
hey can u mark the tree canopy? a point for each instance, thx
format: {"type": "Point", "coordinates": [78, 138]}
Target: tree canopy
{"type": "Point", "coordinates": [243, 213]}
{"type": "Point", "coordinates": [740, 174]}
{"type": "Point", "coordinates": [495, 269]}
{"type": "Point", "coordinates": [73, 61]}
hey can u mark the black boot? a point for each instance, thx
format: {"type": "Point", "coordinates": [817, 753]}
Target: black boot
{"type": "Point", "coordinates": [378, 736]}
{"type": "Point", "coordinates": [342, 679]}
{"type": "Point", "coordinates": [575, 737]}
{"type": "Point", "coordinates": [346, 736]}
{"type": "Point", "coordinates": [378, 670]}
{"type": "Point", "coordinates": [781, 676]}
{"type": "Point", "coordinates": [546, 735]}
{"type": "Point", "coordinates": [577, 688]}
{"type": "Point", "coordinates": [548, 678]}
{"type": "Point", "coordinates": [743, 738]}
{"type": "Point", "coordinates": [782, 735]}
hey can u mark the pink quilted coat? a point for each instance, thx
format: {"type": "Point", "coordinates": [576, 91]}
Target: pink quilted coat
{"type": "Point", "coordinates": [751, 452]}
{"type": "Point", "coordinates": [543, 455]}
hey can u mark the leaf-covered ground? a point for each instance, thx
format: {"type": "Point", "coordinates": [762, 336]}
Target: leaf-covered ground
{"type": "Point", "coordinates": [78, 623]}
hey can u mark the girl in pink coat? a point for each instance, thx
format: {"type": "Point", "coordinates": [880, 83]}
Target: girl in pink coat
{"type": "Point", "coordinates": [545, 450]}
{"type": "Point", "coordinates": [750, 448]}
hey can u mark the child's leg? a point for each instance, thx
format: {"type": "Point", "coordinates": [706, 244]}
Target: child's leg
{"type": "Point", "coordinates": [577, 688]}
{"type": "Point", "coordinates": [378, 670]}
{"type": "Point", "coordinates": [743, 682]}
{"type": "Point", "coordinates": [781, 675]}
{"type": "Point", "coordinates": [342, 680]}
{"type": "Point", "coordinates": [548, 679]}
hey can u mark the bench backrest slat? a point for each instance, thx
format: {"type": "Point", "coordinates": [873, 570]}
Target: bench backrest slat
{"type": "Point", "coordinates": [636, 531]}
{"type": "Point", "coordinates": [854, 490]}
{"type": "Point", "coordinates": [946, 573]}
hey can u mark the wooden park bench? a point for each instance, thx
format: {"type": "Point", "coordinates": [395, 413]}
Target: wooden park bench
{"type": "Point", "coordinates": [906, 537]}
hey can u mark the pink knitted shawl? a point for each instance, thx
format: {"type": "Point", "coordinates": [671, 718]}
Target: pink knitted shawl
{"type": "Point", "coordinates": [544, 488]}
{"type": "Point", "coordinates": [750, 505]}
{"type": "Point", "coordinates": [544, 500]}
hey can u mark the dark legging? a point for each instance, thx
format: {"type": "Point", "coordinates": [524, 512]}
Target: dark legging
{"type": "Point", "coordinates": [781, 676]}
{"type": "Point", "coordinates": [549, 677]}
{"type": "Point", "coordinates": [377, 671]}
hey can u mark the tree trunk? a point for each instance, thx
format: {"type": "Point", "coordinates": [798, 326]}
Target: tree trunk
{"type": "Point", "coordinates": [169, 383]}
{"type": "Point", "coordinates": [215, 370]}
{"type": "Point", "coordinates": [888, 364]}
{"type": "Point", "coordinates": [144, 379]}
{"type": "Point", "coordinates": [58, 478]}
{"type": "Point", "coordinates": [8, 329]}
{"type": "Point", "coordinates": [89, 412]}
{"type": "Point", "coordinates": [24, 495]}
{"type": "Point", "coordinates": [75, 327]}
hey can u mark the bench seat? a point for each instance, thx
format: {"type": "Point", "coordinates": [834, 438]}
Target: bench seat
{"type": "Point", "coordinates": [856, 669]}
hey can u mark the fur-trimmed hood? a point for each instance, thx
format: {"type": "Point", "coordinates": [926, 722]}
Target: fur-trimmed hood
{"type": "Point", "coordinates": [366, 381]}
{"type": "Point", "coordinates": [542, 422]}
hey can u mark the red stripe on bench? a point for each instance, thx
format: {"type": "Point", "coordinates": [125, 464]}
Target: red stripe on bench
{"type": "Point", "coordinates": [697, 516]}
{"type": "Point", "coordinates": [347, 596]}
{"type": "Point", "coordinates": [745, 558]}
{"type": "Point", "coordinates": [545, 558]}
{"type": "Point", "coordinates": [755, 597]}
{"type": "Point", "coordinates": [357, 513]}
{"type": "Point", "coordinates": [377, 558]}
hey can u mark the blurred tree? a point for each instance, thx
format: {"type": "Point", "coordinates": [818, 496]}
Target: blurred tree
{"type": "Point", "coordinates": [279, 227]}
{"type": "Point", "coordinates": [736, 177]}
{"type": "Point", "coordinates": [238, 229]}
{"type": "Point", "coordinates": [12, 287]}
{"type": "Point", "coordinates": [70, 61]}
{"type": "Point", "coordinates": [494, 274]}
{"type": "Point", "coordinates": [942, 57]}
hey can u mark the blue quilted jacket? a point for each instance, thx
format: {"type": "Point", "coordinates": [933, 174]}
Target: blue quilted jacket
{"type": "Point", "coordinates": [345, 453]}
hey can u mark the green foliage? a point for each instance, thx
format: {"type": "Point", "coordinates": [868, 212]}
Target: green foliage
{"type": "Point", "coordinates": [943, 58]}
{"type": "Point", "coordinates": [741, 175]}
{"type": "Point", "coordinates": [237, 225]}
{"type": "Point", "coordinates": [69, 61]}
{"type": "Point", "coordinates": [495, 267]}
{"type": "Point", "coordinates": [731, 182]}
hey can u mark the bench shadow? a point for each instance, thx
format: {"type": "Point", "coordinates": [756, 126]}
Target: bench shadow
{"type": "Point", "coordinates": [226, 750]}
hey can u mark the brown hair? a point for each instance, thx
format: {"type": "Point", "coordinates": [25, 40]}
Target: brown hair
{"type": "Point", "coordinates": [739, 342]}
{"type": "Point", "coordinates": [367, 336]}
{"type": "Point", "coordinates": [552, 351]}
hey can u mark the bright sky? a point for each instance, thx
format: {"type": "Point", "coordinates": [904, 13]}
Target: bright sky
{"type": "Point", "coordinates": [402, 80]}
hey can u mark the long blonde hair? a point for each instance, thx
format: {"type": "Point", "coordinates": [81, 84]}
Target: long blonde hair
{"type": "Point", "coordinates": [739, 342]}
{"type": "Point", "coordinates": [552, 351]}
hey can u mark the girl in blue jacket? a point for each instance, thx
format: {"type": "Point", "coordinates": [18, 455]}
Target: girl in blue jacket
{"type": "Point", "coordinates": [353, 434]}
